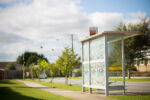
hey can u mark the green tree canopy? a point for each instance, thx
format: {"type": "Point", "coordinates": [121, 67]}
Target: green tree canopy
{"type": "Point", "coordinates": [30, 57]}
{"type": "Point", "coordinates": [67, 62]}
{"type": "Point", "coordinates": [136, 47]}
{"type": "Point", "coordinates": [53, 70]}
{"type": "Point", "coordinates": [10, 66]}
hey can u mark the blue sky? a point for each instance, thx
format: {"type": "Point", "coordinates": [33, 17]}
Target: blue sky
{"type": "Point", "coordinates": [25, 25]}
{"type": "Point", "coordinates": [122, 6]}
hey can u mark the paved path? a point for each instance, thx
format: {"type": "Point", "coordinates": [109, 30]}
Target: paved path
{"type": "Point", "coordinates": [133, 86]}
{"type": "Point", "coordinates": [71, 94]}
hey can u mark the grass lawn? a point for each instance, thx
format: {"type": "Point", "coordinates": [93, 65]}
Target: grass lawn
{"type": "Point", "coordinates": [76, 78]}
{"type": "Point", "coordinates": [59, 85]}
{"type": "Point", "coordinates": [14, 90]}
{"type": "Point", "coordinates": [133, 97]}
{"type": "Point", "coordinates": [120, 79]}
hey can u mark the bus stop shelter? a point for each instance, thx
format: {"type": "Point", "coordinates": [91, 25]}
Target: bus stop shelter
{"type": "Point", "coordinates": [96, 54]}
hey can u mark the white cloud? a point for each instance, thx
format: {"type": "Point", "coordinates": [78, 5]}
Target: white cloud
{"type": "Point", "coordinates": [135, 17]}
{"type": "Point", "coordinates": [105, 21]}
{"type": "Point", "coordinates": [43, 22]}
{"type": "Point", "coordinates": [137, 14]}
{"type": "Point", "coordinates": [7, 1]}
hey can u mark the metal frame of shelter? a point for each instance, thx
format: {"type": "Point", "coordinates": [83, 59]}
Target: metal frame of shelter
{"type": "Point", "coordinates": [95, 60]}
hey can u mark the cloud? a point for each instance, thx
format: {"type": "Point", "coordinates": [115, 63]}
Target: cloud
{"type": "Point", "coordinates": [135, 17]}
{"type": "Point", "coordinates": [105, 21]}
{"type": "Point", "coordinates": [26, 25]}
{"type": "Point", "coordinates": [12, 38]}
{"type": "Point", "coordinates": [7, 1]}
{"type": "Point", "coordinates": [137, 14]}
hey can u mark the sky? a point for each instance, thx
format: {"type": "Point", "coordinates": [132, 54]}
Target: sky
{"type": "Point", "coordinates": [26, 25]}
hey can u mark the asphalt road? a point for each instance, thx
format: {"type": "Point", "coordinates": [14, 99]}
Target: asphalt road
{"type": "Point", "coordinates": [135, 86]}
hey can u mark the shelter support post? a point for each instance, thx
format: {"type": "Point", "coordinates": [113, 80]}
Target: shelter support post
{"type": "Point", "coordinates": [90, 89]}
{"type": "Point", "coordinates": [123, 66]}
{"type": "Point", "coordinates": [106, 68]}
{"type": "Point", "coordinates": [83, 88]}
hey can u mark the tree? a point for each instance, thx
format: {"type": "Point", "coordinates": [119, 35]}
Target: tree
{"type": "Point", "coordinates": [32, 70]}
{"type": "Point", "coordinates": [39, 69]}
{"type": "Point", "coordinates": [67, 61]}
{"type": "Point", "coordinates": [53, 70]}
{"type": "Point", "coordinates": [29, 58]}
{"type": "Point", "coordinates": [135, 47]}
{"type": "Point", "coordinates": [10, 66]}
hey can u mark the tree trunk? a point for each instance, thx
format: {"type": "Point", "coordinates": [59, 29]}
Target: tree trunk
{"type": "Point", "coordinates": [39, 77]}
{"type": "Point", "coordinates": [52, 80]}
{"type": "Point", "coordinates": [128, 70]}
{"type": "Point", "coordinates": [32, 77]}
{"type": "Point", "coordinates": [66, 80]}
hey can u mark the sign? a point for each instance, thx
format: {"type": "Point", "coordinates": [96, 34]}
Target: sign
{"type": "Point", "coordinates": [44, 63]}
{"type": "Point", "coordinates": [114, 68]}
{"type": "Point", "coordinates": [23, 67]}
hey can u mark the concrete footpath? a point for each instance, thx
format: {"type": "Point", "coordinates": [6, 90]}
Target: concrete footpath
{"type": "Point", "coordinates": [78, 95]}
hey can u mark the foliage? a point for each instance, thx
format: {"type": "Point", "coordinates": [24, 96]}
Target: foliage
{"type": "Point", "coordinates": [10, 66]}
{"type": "Point", "coordinates": [114, 55]}
{"type": "Point", "coordinates": [53, 70]}
{"type": "Point", "coordinates": [135, 47]}
{"type": "Point", "coordinates": [32, 70]}
{"type": "Point", "coordinates": [29, 58]}
{"type": "Point", "coordinates": [116, 64]}
{"type": "Point", "coordinates": [37, 69]}
{"type": "Point", "coordinates": [67, 62]}
{"type": "Point", "coordinates": [19, 91]}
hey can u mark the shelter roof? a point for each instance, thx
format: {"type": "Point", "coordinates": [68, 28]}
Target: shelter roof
{"type": "Point", "coordinates": [121, 33]}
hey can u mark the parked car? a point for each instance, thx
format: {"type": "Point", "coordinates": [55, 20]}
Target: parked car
{"type": "Point", "coordinates": [43, 76]}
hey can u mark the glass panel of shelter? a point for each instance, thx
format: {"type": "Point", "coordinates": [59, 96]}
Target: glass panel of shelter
{"type": "Point", "coordinates": [114, 45]}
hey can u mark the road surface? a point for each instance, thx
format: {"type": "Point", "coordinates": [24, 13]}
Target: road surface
{"type": "Point", "coordinates": [135, 86]}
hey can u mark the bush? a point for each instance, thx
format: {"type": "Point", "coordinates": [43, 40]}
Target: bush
{"type": "Point", "coordinates": [116, 64]}
{"type": "Point", "coordinates": [10, 66]}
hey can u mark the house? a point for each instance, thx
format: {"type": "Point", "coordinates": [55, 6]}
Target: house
{"type": "Point", "coordinates": [143, 65]}
{"type": "Point", "coordinates": [11, 74]}
{"type": "Point", "coordinates": [17, 66]}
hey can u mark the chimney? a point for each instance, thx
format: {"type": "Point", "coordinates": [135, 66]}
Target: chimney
{"type": "Point", "coordinates": [93, 30]}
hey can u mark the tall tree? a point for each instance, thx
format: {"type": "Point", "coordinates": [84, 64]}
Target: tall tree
{"type": "Point", "coordinates": [53, 70]}
{"type": "Point", "coordinates": [67, 62]}
{"type": "Point", "coordinates": [29, 58]}
{"type": "Point", "coordinates": [135, 47]}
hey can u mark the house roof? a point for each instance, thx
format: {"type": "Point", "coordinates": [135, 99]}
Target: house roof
{"type": "Point", "coordinates": [124, 33]}
{"type": "Point", "coordinates": [4, 64]}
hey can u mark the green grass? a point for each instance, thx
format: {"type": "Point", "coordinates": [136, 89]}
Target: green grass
{"type": "Point", "coordinates": [131, 80]}
{"type": "Point", "coordinates": [15, 90]}
{"type": "Point", "coordinates": [76, 78]}
{"type": "Point", "coordinates": [59, 85]}
{"type": "Point", "coordinates": [129, 97]}
{"type": "Point", "coordinates": [120, 79]}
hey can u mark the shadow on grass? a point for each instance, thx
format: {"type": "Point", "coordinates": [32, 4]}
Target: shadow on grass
{"type": "Point", "coordinates": [6, 82]}
{"type": "Point", "coordinates": [8, 94]}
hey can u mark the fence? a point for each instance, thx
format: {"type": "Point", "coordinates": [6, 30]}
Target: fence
{"type": "Point", "coordinates": [132, 74]}
{"type": "Point", "coordinates": [14, 74]}
{"type": "Point", "coordinates": [10, 74]}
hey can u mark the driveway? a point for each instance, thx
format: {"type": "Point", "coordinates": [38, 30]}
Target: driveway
{"type": "Point", "coordinates": [134, 86]}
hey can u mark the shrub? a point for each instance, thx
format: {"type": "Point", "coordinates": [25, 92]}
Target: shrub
{"type": "Point", "coordinates": [10, 66]}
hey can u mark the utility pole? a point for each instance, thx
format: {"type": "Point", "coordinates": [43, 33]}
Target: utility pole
{"type": "Point", "coordinates": [23, 66]}
{"type": "Point", "coordinates": [72, 41]}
